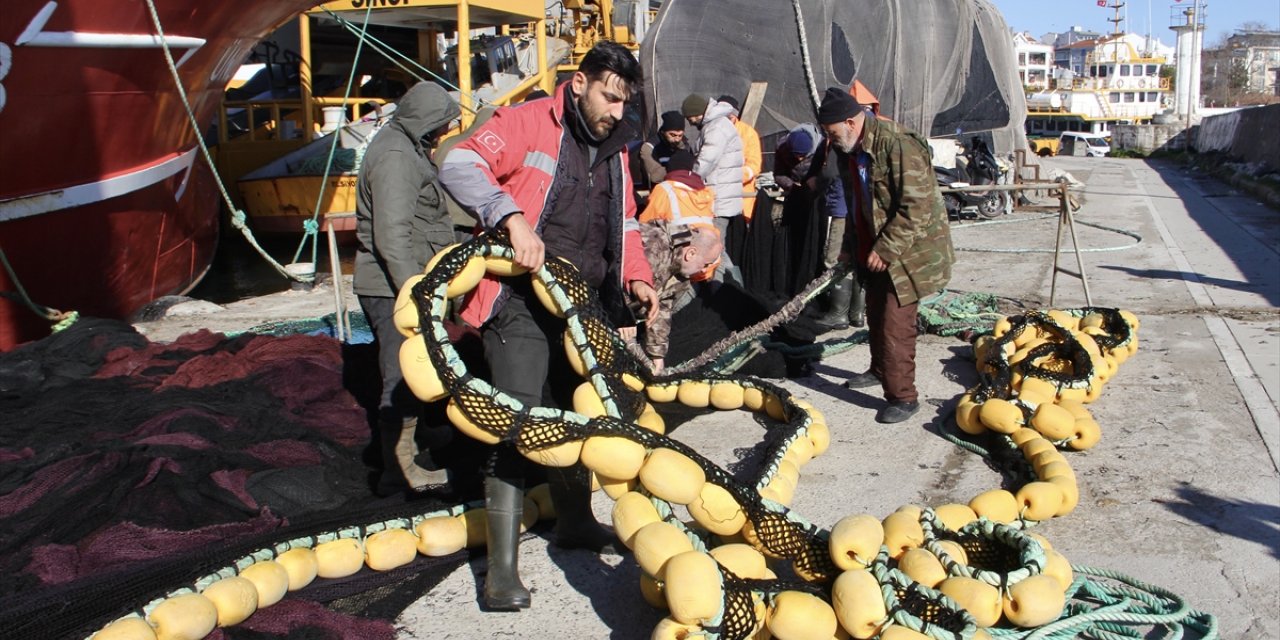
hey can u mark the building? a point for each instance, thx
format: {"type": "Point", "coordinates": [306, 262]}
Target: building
{"type": "Point", "coordinates": [1066, 55]}
{"type": "Point", "coordinates": [1035, 61]}
{"type": "Point", "coordinates": [1249, 62]}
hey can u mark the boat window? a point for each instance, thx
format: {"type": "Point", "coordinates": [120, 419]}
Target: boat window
{"type": "Point", "coordinates": [1129, 96]}
{"type": "Point", "coordinates": [1115, 96]}
{"type": "Point", "coordinates": [1153, 69]}
{"type": "Point", "coordinates": [1152, 96]}
{"type": "Point", "coordinates": [1124, 69]}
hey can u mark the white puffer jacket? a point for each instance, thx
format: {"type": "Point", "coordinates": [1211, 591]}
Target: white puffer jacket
{"type": "Point", "coordinates": [720, 159]}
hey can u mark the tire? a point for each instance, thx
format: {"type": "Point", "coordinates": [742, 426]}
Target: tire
{"type": "Point", "coordinates": [993, 206]}
{"type": "Point", "coordinates": [1045, 152]}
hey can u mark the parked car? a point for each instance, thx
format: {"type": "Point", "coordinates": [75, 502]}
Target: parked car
{"type": "Point", "coordinates": [1077, 143]}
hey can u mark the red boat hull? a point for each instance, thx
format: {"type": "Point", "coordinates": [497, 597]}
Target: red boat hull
{"type": "Point", "coordinates": [105, 203]}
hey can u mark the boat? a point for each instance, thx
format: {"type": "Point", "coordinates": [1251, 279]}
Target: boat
{"type": "Point", "coordinates": [105, 202]}
{"type": "Point", "coordinates": [282, 194]}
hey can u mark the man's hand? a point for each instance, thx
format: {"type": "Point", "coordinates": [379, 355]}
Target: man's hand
{"type": "Point", "coordinates": [658, 364]}
{"type": "Point", "coordinates": [530, 252]}
{"type": "Point", "coordinates": [875, 264]}
{"type": "Point", "coordinates": [645, 294]}
{"type": "Point", "coordinates": [628, 333]}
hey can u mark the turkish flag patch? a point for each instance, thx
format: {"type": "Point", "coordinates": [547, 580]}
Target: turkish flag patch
{"type": "Point", "coordinates": [491, 141]}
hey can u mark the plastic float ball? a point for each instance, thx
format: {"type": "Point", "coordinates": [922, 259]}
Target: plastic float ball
{"type": "Point", "coordinates": [752, 398]}
{"type": "Point", "coordinates": [441, 536]}
{"type": "Point", "coordinates": [950, 550]}
{"type": "Point", "coordinates": [899, 632]}
{"type": "Point", "coordinates": [633, 383]}
{"type": "Point", "coordinates": [1039, 500]}
{"type": "Point", "coordinates": [749, 534]}
{"type": "Point", "coordinates": [405, 315]}
{"type": "Point", "coordinates": [1037, 390]}
{"type": "Point", "coordinates": [855, 541]}
{"type": "Point", "coordinates": [902, 531]}
{"type": "Point", "coordinates": [780, 489]}
{"type": "Point", "coordinates": [727, 396]}
{"type": "Point", "coordinates": [528, 514]}
{"type": "Point", "coordinates": [922, 566]}
{"type": "Point", "coordinates": [301, 566]}
{"type": "Point", "coordinates": [631, 513]}
{"type": "Point", "coordinates": [953, 516]}
{"type": "Point", "coordinates": [717, 510]}
{"type": "Point", "coordinates": [1000, 416]}
{"type": "Point", "coordinates": [269, 579]}
{"type": "Point", "coordinates": [1034, 601]}
{"type": "Point", "coordinates": [419, 374]}
{"type": "Point", "coordinates": [466, 279]}
{"type": "Point", "coordinates": [235, 599]}
{"type": "Point", "coordinates": [565, 454]}
{"type": "Point", "coordinates": [669, 629]}
{"type": "Point", "coordinates": [615, 488]}
{"type": "Point", "coordinates": [465, 425]}
{"type": "Point", "coordinates": [1069, 393]}
{"type": "Point", "coordinates": [131, 628]}
{"type": "Point", "coordinates": [1056, 565]}
{"type": "Point", "coordinates": [1021, 436]}
{"type": "Point", "coordinates": [859, 603]}
{"type": "Point", "coordinates": [649, 419]}
{"type": "Point", "coordinates": [800, 451]}
{"type": "Point", "coordinates": [386, 550]}
{"type": "Point", "coordinates": [1001, 327]}
{"type": "Point", "coordinates": [662, 393]}
{"type": "Point", "coordinates": [694, 394]}
{"type": "Point", "coordinates": [1063, 319]}
{"type": "Point", "coordinates": [820, 436]}
{"type": "Point", "coordinates": [503, 267]}
{"type": "Point", "coordinates": [672, 476]}
{"type": "Point", "coordinates": [651, 591]}
{"type": "Point", "coordinates": [339, 558]}
{"type": "Point", "coordinates": [587, 402]}
{"type": "Point", "coordinates": [575, 358]}
{"type": "Point", "coordinates": [797, 615]}
{"type": "Point", "coordinates": [1087, 434]}
{"type": "Point", "coordinates": [476, 523]}
{"type": "Point", "coordinates": [541, 496]}
{"type": "Point", "coordinates": [544, 296]}
{"type": "Point", "coordinates": [774, 408]}
{"type": "Point", "coordinates": [967, 418]}
{"type": "Point", "coordinates": [1130, 319]}
{"type": "Point", "coordinates": [656, 543]}
{"type": "Point", "coordinates": [694, 587]}
{"type": "Point", "coordinates": [1070, 494]}
{"type": "Point", "coordinates": [996, 505]}
{"type": "Point", "coordinates": [613, 456]}
{"type": "Point", "coordinates": [741, 560]}
{"type": "Point", "coordinates": [186, 617]}
{"type": "Point", "coordinates": [980, 599]}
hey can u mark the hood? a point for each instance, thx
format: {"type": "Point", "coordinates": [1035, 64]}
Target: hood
{"type": "Point", "coordinates": [425, 108]}
{"type": "Point", "coordinates": [716, 110]}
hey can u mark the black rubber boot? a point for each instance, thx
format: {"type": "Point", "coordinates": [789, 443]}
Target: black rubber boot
{"type": "Point", "coordinates": [857, 304]}
{"type": "Point", "coordinates": [400, 469]}
{"type": "Point", "coordinates": [576, 526]}
{"type": "Point", "coordinates": [837, 315]}
{"type": "Point", "coordinates": [504, 504]}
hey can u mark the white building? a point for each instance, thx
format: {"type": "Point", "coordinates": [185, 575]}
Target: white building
{"type": "Point", "coordinates": [1035, 61]}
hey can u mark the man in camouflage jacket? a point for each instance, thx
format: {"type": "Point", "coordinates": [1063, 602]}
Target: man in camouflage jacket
{"type": "Point", "coordinates": [899, 239]}
{"type": "Point", "coordinates": [677, 250]}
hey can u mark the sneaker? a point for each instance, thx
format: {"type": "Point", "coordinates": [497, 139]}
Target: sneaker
{"type": "Point", "coordinates": [862, 380]}
{"type": "Point", "coordinates": [897, 412]}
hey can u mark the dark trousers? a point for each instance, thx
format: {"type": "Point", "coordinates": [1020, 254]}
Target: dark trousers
{"type": "Point", "coordinates": [893, 338]}
{"type": "Point", "coordinates": [397, 401]}
{"type": "Point", "coordinates": [522, 345]}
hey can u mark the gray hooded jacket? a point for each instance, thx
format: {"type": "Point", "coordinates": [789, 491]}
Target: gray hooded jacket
{"type": "Point", "coordinates": [401, 216]}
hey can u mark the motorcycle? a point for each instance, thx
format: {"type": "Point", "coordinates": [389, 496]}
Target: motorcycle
{"type": "Point", "coordinates": [976, 166]}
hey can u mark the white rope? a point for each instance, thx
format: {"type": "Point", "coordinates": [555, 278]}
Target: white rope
{"type": "Point", "coordinates": [804, 57]}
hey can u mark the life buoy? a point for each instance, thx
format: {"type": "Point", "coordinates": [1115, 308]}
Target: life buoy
{"type": "Point", "coordinates": [1119, 84]}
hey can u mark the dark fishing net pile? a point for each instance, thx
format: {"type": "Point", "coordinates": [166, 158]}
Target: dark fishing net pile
{"type": "Point", "coordinates": [127, 467]}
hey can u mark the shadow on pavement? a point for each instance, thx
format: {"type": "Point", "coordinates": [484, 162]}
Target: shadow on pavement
{"type": "Point", "coordinates": [614, 591]}
{"type": "Point", "coordinates": [1209, 281]}
{"type": "Point", "coordinates": [1252, 521]}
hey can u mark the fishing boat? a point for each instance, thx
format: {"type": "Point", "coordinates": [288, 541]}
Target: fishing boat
{"type": "Point", "coordinates": [105, 202]}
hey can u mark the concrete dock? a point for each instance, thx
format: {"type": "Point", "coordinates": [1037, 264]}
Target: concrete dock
{"type": "Point", "coordinates": [1182, 491]}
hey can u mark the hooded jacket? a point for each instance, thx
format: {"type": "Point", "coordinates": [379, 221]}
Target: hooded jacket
{"type": "Point", "coordinates": [401, 217]}
{"type": "Point", "coordinates": [720, 159]}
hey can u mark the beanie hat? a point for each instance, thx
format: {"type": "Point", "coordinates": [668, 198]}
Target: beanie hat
{"type": "Point", "coordinates": [837, 106]}
{"type": "Point", "coordinates": [672, 121]}
{"type": "Point", "coordinates": [730, 100]}
{"type": "Point", "coordinates": [694, 105]}
{"type": "Point", "coordinates": [681, 160]}
{"type": "Point", "coordinates": [800, 141]}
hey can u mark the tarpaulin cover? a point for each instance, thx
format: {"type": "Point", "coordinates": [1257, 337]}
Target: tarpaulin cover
{"type": "Point", "coordinates": [938, 66]}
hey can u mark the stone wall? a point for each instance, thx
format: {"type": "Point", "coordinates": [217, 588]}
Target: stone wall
{"type": "Point", "coordinates": [1146, 138]}
{"type": "Point", "coordinates": [1247, 135]}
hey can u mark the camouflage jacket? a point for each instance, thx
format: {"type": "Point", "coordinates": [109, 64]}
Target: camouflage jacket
{"type": "Point", "coordinates": [908, 219]}
{"type": "Point", "coordinates": [666, 281]}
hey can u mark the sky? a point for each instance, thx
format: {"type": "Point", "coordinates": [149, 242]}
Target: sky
{"type": "Point", "coordinates": [1221, 17]}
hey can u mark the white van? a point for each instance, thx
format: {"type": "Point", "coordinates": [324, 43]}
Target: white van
{"type": "Point", "coordinates": [1077, 143]}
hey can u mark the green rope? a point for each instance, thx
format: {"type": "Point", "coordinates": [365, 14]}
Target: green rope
{"type": "Point", "coordinates": [311, 231]}
{"type": "Point", "coordinates": [237, 216]}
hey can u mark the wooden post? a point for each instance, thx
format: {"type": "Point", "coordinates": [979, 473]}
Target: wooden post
{"type": "Point", "coordinates": [1066, 220]}
{"type": "Point", "coordinates": [752, 103]}
{"type": "Point", "coordinates": [464, 63]}
{"type": "Point", "coordinates": [304, 77]}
